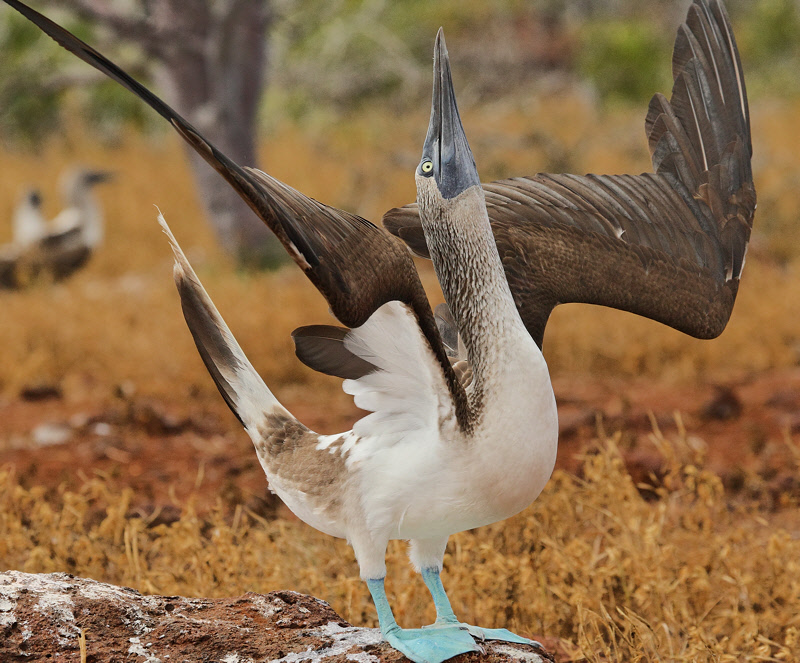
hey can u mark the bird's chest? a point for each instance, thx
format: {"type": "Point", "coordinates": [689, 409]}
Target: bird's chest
{"type": "Point", "coordinates": [514, 454]}
{"type": "Point", "coordinates": [453, 485]}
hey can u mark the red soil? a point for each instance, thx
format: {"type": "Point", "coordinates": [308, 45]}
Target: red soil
{"type": "Point", "coordinates": [743, 428]}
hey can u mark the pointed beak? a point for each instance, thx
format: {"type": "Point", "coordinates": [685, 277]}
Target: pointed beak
{"type": "Point", "coordinates": [98, 176]}
{"type": "Point", "coordinates": [446, 144]}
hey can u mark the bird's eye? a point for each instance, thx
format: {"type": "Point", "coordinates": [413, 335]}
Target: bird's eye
{"type": "Point", "coordinates": [426, 167]}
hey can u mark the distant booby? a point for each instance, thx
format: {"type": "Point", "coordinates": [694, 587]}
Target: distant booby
{"type": "Point", "coordinates": [56, 251]}
{"type": "Point", "coordinates": [443, 449]}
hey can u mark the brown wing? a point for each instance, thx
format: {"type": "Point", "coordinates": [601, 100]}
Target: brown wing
{"type": "Point", "coordinates": [322, 348]}
{"type": "Point", "coordinates": [9, 278]}
{"type": "Point", "coordinates": [63, 253]}
{"type": "Point", "coordinates": [354, 264]}
{"type": "Point", "coordinates": [669, 245]}
{"type": "Point", "coordinates": [52, 258]}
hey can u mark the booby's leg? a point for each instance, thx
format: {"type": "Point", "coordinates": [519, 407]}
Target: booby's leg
{"type": "Point", "coordinates": [446, 617]}
{"type": "Point", "coordinates": [427, 556]}
{"type": "Point", "coordinates": [420, 645]}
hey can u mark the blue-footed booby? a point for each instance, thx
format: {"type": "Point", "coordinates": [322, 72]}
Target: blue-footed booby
{"type": "Point", "coordinates": [54, 251]}
{"type": "Point", "coordinates": [462, 423]}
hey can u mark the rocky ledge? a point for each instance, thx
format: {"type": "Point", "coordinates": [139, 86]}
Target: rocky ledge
{"type": "Point", "coordinates": [59, 617]}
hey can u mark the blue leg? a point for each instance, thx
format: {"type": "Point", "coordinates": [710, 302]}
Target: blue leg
{"type": "Point", "coordinates": [446, 618]}
{"type": "Point", "coordinates": [421, 646]}
{"type": "Point", "coordinates": [444, 611]}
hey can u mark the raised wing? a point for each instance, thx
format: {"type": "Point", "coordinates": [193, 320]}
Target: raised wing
{"type": "Point", "coordinates": [354, 264]}
{"type": "Point", "coordinates": [668, 245]}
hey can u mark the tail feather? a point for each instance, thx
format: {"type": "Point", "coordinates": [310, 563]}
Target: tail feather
{"type": "Point", "coordinates": [240, 385]}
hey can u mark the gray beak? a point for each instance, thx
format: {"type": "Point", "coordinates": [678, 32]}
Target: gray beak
{"type": "Point", "coordinates": [446, 144]}
{"type": "Point", "coordinates": [93, 177]}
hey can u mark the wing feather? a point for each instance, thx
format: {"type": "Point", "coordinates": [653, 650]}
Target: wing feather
{"type": "Point", "coordinates": [668, 245]}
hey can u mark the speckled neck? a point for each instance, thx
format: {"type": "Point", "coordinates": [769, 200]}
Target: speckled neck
{"type": "Point", "coordinates": [474, 284]}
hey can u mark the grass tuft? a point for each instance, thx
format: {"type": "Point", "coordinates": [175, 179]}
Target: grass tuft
{"type": "Point", "coordinates": [614, 576]}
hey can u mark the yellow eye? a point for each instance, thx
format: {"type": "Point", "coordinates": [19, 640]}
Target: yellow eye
{"type": "Point", "coordinates": [427, 166]}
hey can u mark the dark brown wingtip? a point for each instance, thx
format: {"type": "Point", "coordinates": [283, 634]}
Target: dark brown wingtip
{"type": "Point", "coordinates": [322, 348]}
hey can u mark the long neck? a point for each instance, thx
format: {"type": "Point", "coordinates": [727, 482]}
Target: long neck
{"type": "Point", "coordinates": [82, 199]}
{"type": "Point", "coordinates": [474, 284]}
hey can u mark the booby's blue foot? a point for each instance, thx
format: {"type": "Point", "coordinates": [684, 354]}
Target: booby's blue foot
{"type": "Point", "coordinates": [431, 646]}
{"type": "Point", "coordinates": [420, 645]}
{"type": "Point", "coordinates": [445, 617]}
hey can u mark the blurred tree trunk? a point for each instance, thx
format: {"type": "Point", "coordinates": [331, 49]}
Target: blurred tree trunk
{"type": "Point", "coordinates": [209, 59]}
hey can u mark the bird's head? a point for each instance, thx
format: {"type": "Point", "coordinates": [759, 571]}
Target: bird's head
{"type": "Point", "coordinates": [92, 177]}
{"type": "Point", "coordinates": [33, 198]}
{"type": "Point", "coordinates": [447, 168]}
{"type": "Point", "coordinates": [76, 183]}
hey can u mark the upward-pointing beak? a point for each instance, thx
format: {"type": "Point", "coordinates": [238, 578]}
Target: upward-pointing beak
{"type": "Point", "coordinates": [446, 144]}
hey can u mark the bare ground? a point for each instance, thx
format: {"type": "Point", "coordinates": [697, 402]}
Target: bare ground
{"type": "Point", "coordinates": [167, 454]}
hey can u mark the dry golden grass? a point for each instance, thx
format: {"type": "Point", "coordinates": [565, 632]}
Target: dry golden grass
{"type": "Point", "coordinates": [687, 577]}
{"type": "Point", "coordinates": [616, 578]}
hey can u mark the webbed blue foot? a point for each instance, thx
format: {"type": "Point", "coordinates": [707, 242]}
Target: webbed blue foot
{"type": "Point", "coordinates": [482, 634]}
{"type": "Point", "coordinates": [420, 645]}
{"type": "Point", "coordinates": [446, 618]}
{"type": "Point", "coordinates": [431, 646]}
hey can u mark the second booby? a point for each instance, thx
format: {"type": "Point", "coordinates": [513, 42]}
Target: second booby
{"type": "Point", "coordinates": [42, 252]}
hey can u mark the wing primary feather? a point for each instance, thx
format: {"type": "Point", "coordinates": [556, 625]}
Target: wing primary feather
{"type": "Point", "coordinates": [668, 245]}
{"type": "Point", "coordinates": [322, 348]}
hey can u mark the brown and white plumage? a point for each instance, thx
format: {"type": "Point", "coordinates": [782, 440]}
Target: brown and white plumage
{"type": "Point", "coordinates": [27, 222]}
{"type": "Point", "coordinates": [412, 468]}
{"type": "Point", "coordinates": [54, 257]}
{"type": "Point", "coordinates": [668, 245]}
{"type": "Point", "coordinates": [81, 209]}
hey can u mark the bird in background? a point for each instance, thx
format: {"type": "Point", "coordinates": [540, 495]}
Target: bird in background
{"type": "Point", "coordinates": [53, 251]}
{"type": "Point", "coordinates": [462, 422]}
{"type": "Point", "coordinates": [81, 209]}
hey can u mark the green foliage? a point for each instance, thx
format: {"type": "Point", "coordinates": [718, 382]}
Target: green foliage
{"type": "Point", "coordinates": [332, 57]}
{"type": "Point", "coordinates": [39, 81]}
{"type": "Point", "coordinates": [772, 29]}
{"type": "Point", "coordinates": [346, 52]}
{"type": "Point", "coordinates": [26, 56]}
{"type": "Point", "coordinates": [769, 39]}
{"type": "Point", "coordinates": [108, 107]}
{"type": "Point", "coordinates": [625, 59]}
